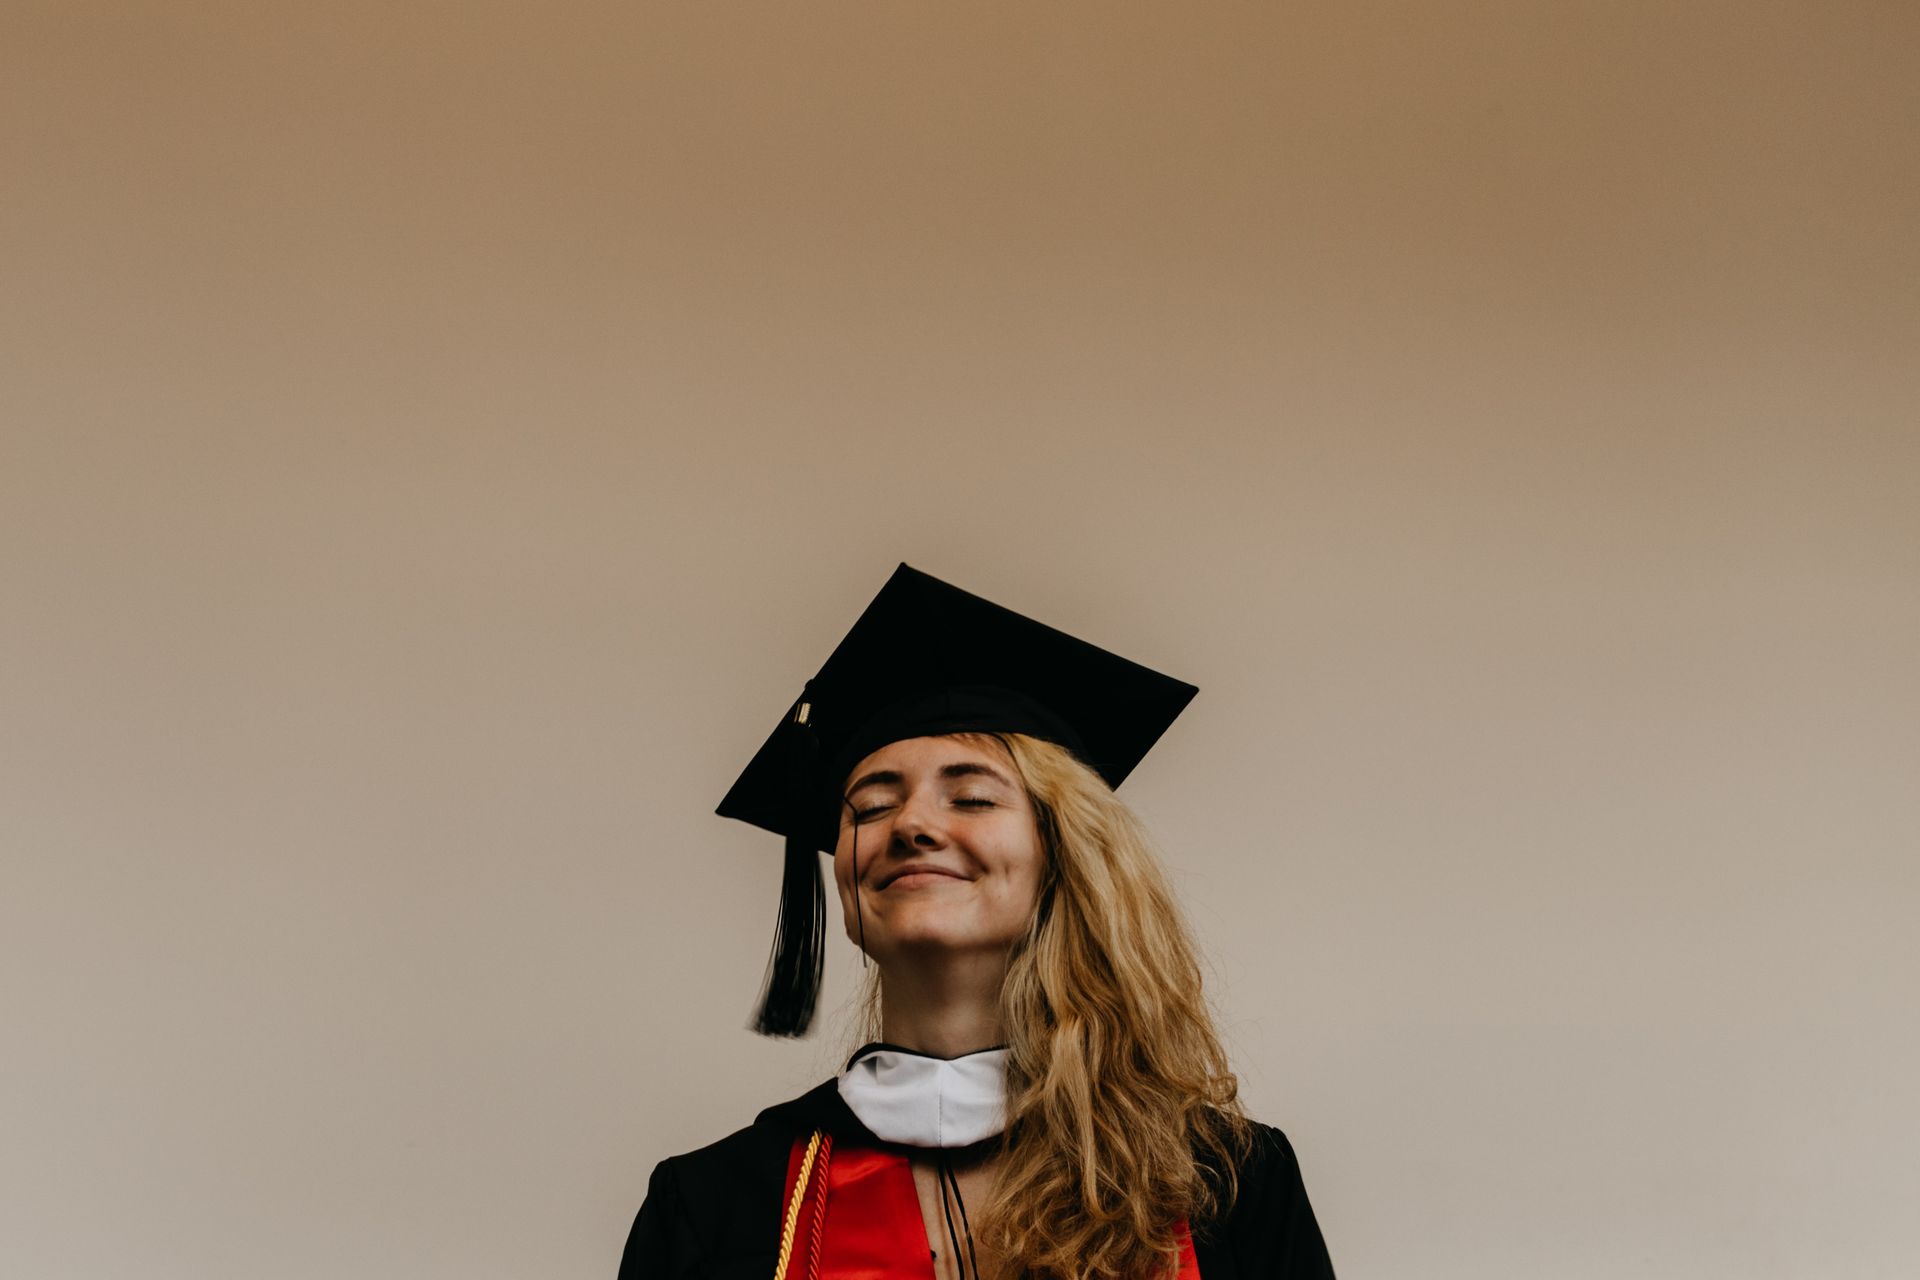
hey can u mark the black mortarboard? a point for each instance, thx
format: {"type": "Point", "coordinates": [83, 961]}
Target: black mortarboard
{"type": "Point", "coordinates": [926, 658]}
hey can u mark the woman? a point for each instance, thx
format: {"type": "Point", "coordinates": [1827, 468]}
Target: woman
{"type": "Point", "coordinates": [1043, 1094]}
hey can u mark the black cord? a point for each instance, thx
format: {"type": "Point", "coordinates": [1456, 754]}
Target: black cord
{"type": "Point", "coordinates": [961, 1201]}
{"type": "Point", "coordinates": [944, 1172]}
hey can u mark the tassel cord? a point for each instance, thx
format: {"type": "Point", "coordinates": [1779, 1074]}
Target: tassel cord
{"type": "Point", "coordinates": [860, 916]}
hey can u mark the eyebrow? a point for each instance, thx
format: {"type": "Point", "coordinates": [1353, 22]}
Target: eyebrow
{"type": "Point", "coordinates": [961, 769]}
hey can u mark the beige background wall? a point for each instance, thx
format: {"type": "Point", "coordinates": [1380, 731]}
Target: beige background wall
{"type": "Point", "coordinates": [439, 438]}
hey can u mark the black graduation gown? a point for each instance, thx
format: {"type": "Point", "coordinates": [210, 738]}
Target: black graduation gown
{"type": "Point", "coordinates": [713, 1214]}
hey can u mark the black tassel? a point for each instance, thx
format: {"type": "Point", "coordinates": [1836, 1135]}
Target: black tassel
{"type": "Point", "coordinates": [799, 943]}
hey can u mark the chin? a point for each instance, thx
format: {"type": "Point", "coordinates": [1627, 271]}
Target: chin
{"type": "Point", "coordinates": [923, 933]}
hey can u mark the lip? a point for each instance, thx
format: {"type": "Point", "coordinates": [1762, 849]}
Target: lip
{"type": "Point", "coordinates": [920, 869]}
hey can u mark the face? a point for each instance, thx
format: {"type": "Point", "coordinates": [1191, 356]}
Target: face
{"type": "Point", "coordinates": [949, 853]}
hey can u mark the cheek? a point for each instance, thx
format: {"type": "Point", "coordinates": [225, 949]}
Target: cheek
{"type": "Point", "coordinates": [1030, 888]}
{"type": "Point", "coordinates": [842, 868]}
{"type": "Point", "coordinates": [844, 852]}
{"type": "Point", "coordinates": [853, 841]}
{"type": "Point", "coordinates": [1022, 867]}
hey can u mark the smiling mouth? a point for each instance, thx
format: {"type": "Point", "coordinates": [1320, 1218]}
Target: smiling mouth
{"type": "Point", "coordinates": [919, 875]}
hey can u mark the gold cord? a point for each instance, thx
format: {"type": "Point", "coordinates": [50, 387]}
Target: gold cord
{"type": "Point", "coordinates": [793, 1206]}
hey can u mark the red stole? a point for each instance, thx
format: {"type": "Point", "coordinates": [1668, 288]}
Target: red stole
{"type": "Point", "coordinates": [858, 1216]}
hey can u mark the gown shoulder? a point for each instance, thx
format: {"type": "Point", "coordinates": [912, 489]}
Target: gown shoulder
{"type": "Point", "coordinates": [1269, 1231]}
{"type": "Point", "coordinates": [712, 1212]}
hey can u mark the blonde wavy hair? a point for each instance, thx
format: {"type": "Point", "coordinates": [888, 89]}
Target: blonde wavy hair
{"type": "Point", "coordinates": [1123, 1115]}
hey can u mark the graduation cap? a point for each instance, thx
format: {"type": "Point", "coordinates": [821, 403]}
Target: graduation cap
{"type": "Point", "coordinates": [925, 659]}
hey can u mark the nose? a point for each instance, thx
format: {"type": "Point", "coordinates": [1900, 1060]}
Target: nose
{"type": "Point", "coordinates": [918, 824]}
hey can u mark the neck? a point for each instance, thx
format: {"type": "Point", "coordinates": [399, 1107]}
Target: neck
{"type": "Point", "coordinates": [945, 1005]}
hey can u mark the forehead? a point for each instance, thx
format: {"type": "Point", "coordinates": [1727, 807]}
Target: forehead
{"type": "Point", "coordinates": [913, 754]}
